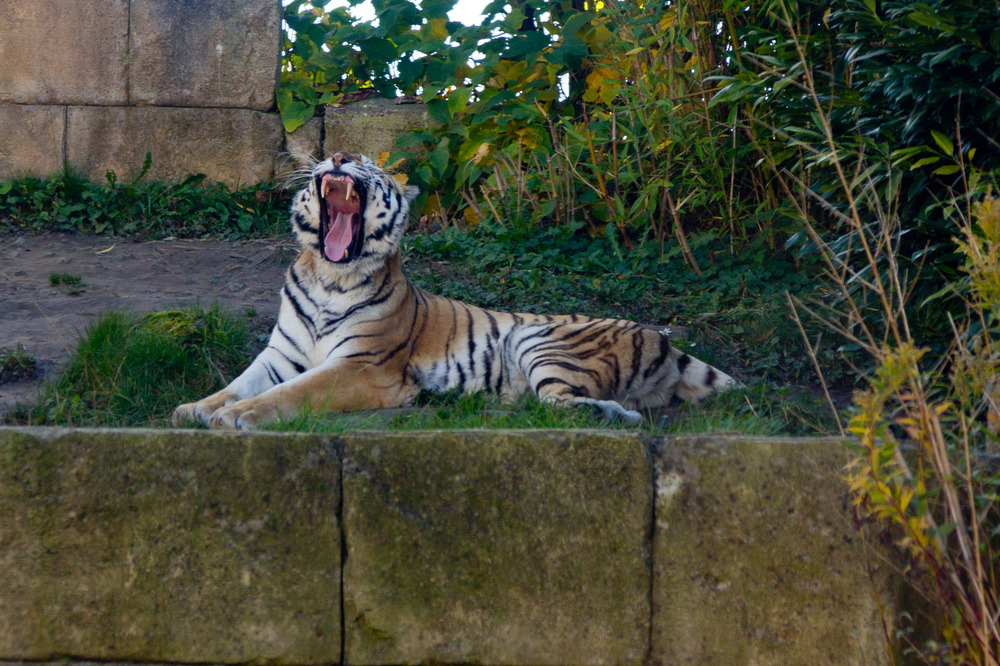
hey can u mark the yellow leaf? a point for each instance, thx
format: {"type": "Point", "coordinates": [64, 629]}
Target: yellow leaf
{"type": "Point", "coordinates": [942, 408]}
{"type": "Point", "coordinates": [471, 219]}
{"type": "Point", "coordinates": [432, 206]}
{"type": "Point", "coordinates": [401, 178]}
{"type": "Point", "coordinates": [439, 28]}
{"type": "Point", "coordinates": [481, 152]}
{"type": "Point", "coordinates": [382, 157]}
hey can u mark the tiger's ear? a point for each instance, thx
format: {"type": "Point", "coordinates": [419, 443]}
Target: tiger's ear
{"type": "Point", "coordinates": [410, 192]}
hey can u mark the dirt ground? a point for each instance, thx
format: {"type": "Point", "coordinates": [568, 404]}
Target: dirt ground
{"type": "Point", "coordinates": [121, 275]}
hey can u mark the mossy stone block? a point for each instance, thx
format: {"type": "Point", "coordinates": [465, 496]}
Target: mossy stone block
{"type": "Point", "coordinates": [64, 52]}
{"type": "Point", "coordinates": [757, 559]}
{"type": "Point", "coordinates": [31, 140]}
{"type": "Point", "coordinates": [496, 548]}
{"type": "Point", "coordinates": [370, 127]}
{"type": "Point", "coordinates": [233, 146]}
{"type": "Point", "coordinates": [204, 53]}
{"type": "Point", "coordinates": [168, 546]}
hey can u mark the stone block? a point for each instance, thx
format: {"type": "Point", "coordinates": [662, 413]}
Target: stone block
{"type": "Point", "coordinates": [496, 548]}
{"type": "Point", "coordinates": [218, 53]}
{"type": "Point", "coordinates": [168, 546]}
{"type": "Point", "coordinates": [756, 561]}
{"type": "Point", "coordinates": [303, 148]}
{"type": "Point", "coordinates": [31, 139]}
{"type": "Point", "coordinates": [234, 146]}
{"type": "Point", "coordinates": [64, 51]}
{"type": "Point", "coordinates": [370, 127]}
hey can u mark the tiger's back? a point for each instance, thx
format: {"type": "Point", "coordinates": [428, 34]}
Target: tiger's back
{"type": "Point", "coordinates": [353, 334]}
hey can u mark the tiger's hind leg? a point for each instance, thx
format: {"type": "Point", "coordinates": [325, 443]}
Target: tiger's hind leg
{"type": "Point", "coordinates": [611, 410]}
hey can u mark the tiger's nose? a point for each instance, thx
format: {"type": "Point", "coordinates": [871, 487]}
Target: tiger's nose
{"type": "Point", "coordinates": [340, 158]}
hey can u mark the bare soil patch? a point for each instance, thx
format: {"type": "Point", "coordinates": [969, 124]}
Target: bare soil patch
{"type": "Point", "coordinates": [46, 319]}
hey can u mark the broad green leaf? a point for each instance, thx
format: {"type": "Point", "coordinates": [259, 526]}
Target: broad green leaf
{"type": "Point", "coordinates": [379, 49]}
{"type": "Point", "coordinates": [924, 162]}
{"type": "Point", "coordinates": [458, 99]}
{"type": "Point", "coordinates": [438, 110]}
{"type": "Point", "coordinates": [947, 170]}
{"type": "Point", "coordinates": [943, 142]}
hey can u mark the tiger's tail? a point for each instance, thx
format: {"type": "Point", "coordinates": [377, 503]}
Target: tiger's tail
{"type": "Point", "coordinates": [698, 379]}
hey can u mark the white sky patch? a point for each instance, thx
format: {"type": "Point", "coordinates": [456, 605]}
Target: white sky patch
{"type": "Point", "coordinates": [469, 12]}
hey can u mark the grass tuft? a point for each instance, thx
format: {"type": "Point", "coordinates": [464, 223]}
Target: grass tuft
{"type": "Point", "coordinates": [16, 364]}
{"type": "Point", "coordinates": [131, 370]}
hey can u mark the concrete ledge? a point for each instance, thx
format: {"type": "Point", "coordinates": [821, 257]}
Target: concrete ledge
{"type": "Point", "coordinates": [755, 562]}
{"type": "Point", "coordinates": [461, 547]}
{"type": "Point", "coordinates": [496, 548]}
{"type": "Point", "coordinates": [168, 546]}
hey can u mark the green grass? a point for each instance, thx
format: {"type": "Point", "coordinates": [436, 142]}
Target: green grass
{"type": "Point", "coordinates": [70, 285]}
{"type": "Point", "coordinates": [130, 370]}
{"type": "Point", "coordinates": [756, 411]}
{"type": "Point", "coordinates": [16, 364]}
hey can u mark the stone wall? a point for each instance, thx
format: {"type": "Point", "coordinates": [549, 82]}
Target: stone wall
{"type": "Point", "coordinates": [93, 85]}
{"type": "Point", "coordinates": [513, 547]}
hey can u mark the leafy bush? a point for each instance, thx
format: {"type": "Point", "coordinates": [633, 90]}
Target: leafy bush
{"type": "Point", "coordinates": [895, 99]}
{"type": "Point", "coordinates": [568, 117]}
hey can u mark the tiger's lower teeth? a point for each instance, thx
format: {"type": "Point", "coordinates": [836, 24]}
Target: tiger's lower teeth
{"type": "Point", "coordinates": [345, 255]}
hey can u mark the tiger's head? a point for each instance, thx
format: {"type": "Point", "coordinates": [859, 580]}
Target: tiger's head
{"type": "Point", "coordinates": [351, 214]}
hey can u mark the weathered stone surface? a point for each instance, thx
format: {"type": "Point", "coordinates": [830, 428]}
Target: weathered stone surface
{"type": "Point", "coordinates": [370, 127]}
{"type": "Point", "coordinates": [31, 139]}
{"type": "Point", "coordinates": [496, 548]}
{"type": "Point", "coordinates": [755, 562]}
{"type": "Point", "coordinates": [223, 53]}
{"type": "Point", "coordinates": [168, 546]}
{"type": "Point", "coordinates": [63, 51]}
{"type": "Point", "coordinates": [303, 148]}
{"type": "Point", "coordinates": [234, 146]}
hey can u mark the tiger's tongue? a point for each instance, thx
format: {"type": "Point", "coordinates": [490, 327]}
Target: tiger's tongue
{"type": "Point", "coordinates": [338, 239]}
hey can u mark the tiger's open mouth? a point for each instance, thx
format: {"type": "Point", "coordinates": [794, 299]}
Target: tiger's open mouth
{"type": "Point", "coordinates": [340, 216]}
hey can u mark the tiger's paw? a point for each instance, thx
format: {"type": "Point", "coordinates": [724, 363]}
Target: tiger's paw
{"type": "Point", "coordinates": [611, 410]}
{"type": "Point", "coordinates": [201, 411]}
{"type": "Point", "coordinates": [242, 415]}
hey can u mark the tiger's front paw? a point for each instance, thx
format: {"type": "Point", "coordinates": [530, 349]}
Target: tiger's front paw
{"type": "Point", "coordinates": [243, 415]}
{"type": "Point", "coordinates": [201, 411]}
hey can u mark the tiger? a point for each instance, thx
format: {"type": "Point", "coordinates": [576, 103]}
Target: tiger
{"type": "Point", "coordinates": [354, 334]}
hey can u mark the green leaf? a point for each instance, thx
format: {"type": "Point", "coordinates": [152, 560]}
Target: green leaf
{"type": "Point", "coordinates": [947, 170]}
{"type": "Point", "coordinates": [438, 110]}
{"type": "Point", "coordinates": [379, 49]}
{"type": "Point", "coordinates": [924, 162]}
{"type": "Point", "coordinates": [440, 159]}
{"type": "Point", "coordinates": [576, 22]}
{"type": "Point", "coordinates": [943, 142]}
{"type": "Point", "coordinates": [458, 99]}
